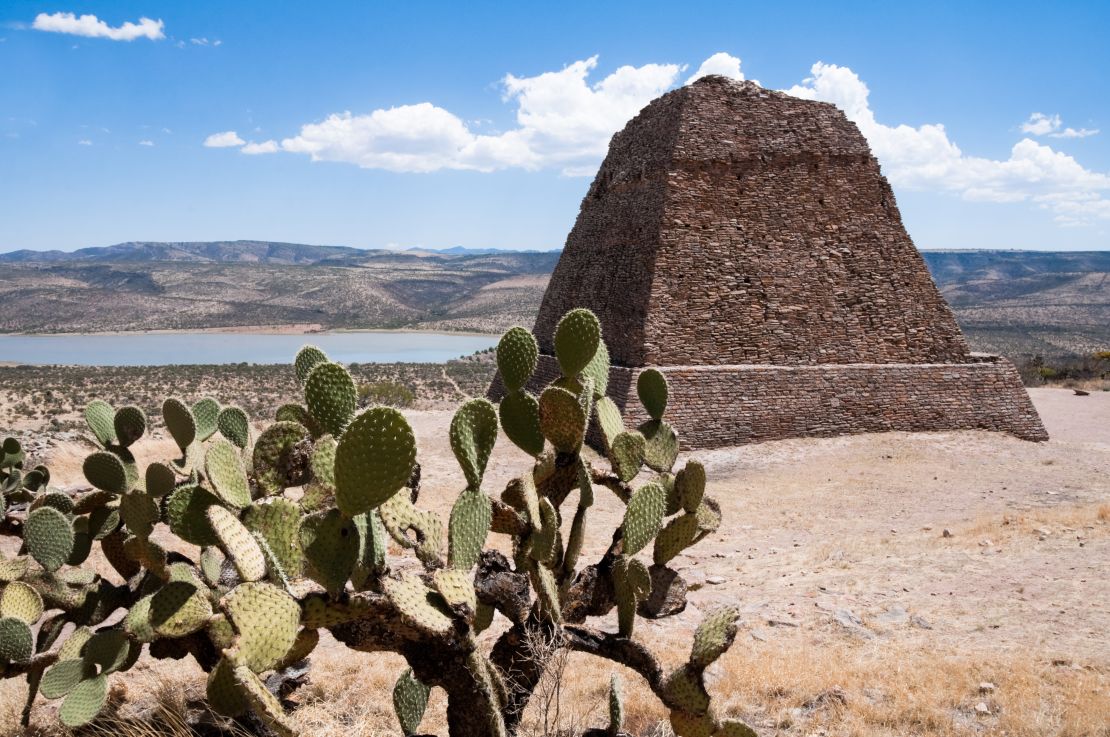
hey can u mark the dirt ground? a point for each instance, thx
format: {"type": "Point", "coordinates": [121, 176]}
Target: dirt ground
{"type": "Point", "coordinates": [897, 583]}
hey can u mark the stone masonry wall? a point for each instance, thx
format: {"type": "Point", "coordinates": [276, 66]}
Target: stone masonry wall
{"type": "Point", "coordinates": [714, 406]}
{"type": "Point", "coordinates": [730, 224]}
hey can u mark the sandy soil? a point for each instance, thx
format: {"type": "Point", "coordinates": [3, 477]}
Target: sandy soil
{"type": "Point", "coordinates": [887, 549]}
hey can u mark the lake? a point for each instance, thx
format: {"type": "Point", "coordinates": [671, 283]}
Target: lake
{"type": "Point", "coordinates": [161, 349]}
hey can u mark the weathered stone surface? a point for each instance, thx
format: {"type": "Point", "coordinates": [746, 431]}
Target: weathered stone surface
{"type": "Point", "coordinates": [746, 244]}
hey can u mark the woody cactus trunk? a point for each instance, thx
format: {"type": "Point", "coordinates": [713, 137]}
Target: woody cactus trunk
{"type": "Point", "coordinates": [291, 529]}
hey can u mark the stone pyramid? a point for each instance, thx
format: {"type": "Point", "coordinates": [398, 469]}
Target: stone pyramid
{"type": "Point", "coordinates": [745, 243]}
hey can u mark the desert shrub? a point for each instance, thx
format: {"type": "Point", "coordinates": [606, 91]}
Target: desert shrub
{"type": "Point", "coordinates": [385, 392]}
{"type": "Point", "coordinates": [291, 529]}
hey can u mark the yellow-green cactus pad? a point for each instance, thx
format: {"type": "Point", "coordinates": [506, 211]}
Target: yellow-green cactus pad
{"type": "Point", "coordinates": [520, 419]}
{"type": "Point", "coordinates": [49, 537]}
{"type": "Point", "coordinates": [267, 619]}
{"type": "Point", "coordinates": [473, 434]}
{"type": "Point", "coordinates": [420, 607]}
{"type": "Point", "coordinates": [225, 472]}
{"type": "Point", "coordinates": [21, 601]}
{"type": "Point", "coordinates": [516, 357]}
{"type": "Point", "coordinates": [237, 541]}
{"type": "Point", "coordinates": [105, 471]}
{"type": "Point", "coordinates": [374, 460]}
{"type": "Point", "coordinates": [468, 529]}
{"type": "Point", "coordinates": [561, 419]}
{"type": "Point", "coordinates": [234, 425]}
{"type": "Point", "coordinates": [651, 386]}
{"type": "Point", "coordinates": [179, 421]}
{"type": "Point", "coordinates": [179, 608]}
{"type": "Point", "coordinates": [206, 413]}
{"type": "Point", "coordinates": [307, 359]}
{"type": "Point", "coordinates": [331, 397]}
{"type": "Point", "coordinates": [642, 517]}
{"type": "Point", "coordinates": [576, 339]}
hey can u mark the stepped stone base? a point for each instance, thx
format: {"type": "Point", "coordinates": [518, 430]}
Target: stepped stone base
{"type": "Point", "coordinates": [714, 406]}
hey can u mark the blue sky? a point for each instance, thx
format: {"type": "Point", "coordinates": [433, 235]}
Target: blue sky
{"type": "Point", "coordinates": [402, 124]}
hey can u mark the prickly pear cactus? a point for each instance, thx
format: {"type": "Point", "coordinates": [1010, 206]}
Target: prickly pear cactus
{"type": "Point", "coordinates": [292, 531]}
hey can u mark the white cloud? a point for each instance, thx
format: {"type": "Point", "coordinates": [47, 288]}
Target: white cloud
{"type": "Point", "coordinates": [91, 26]}
{"type": "Point", "coordinates": [1040, 124]}
{"type": "Point", "coordinates": [203, 41]}
{"type": "Point", "coordinates": [563, 121]}
{"type": "Point", "coordinates": [84, 142]}
{"type": "Point", "coordinates": [146, 143]}
{"type": "Point", "coordinates": [223, 140]}
{"type": "Point", "coordinates": [266, 147]}
{"type": "Point", "coordinates": [721, 63]}
{"type": "Point", "coordinates": [924, 157]}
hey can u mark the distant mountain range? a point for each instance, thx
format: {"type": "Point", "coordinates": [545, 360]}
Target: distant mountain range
{"type": "Point", "coordinates": [223, 252]}
{"type": "Point", "coordinates": [1017, 303]}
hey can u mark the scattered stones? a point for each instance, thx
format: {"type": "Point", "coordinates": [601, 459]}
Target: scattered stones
{"type": "Point", "coordinates": [715, 580]}
{"type": "Point", "coordinates": [986, 687]}
{"type": "Point", "coordinates": [982, 708]}
{"type": "Point", "coordinates": [946, 533]}
{"type": "Point", "coordinates": [668, 593]}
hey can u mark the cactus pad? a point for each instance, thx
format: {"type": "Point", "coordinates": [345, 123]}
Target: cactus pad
{"type": "Point", "coordinates": [690, 485]}
{"type": "Point", "coordinates": [651, 387]}
{"type": "Point", "coordinates": [520, 419]}
{"type": "Point", "coordinates": [616, 706]}
{"type": "Point", "coordinates": [107, 651]}
{"type": "Point", "coordinates": [420, 607]}
{"type": "Point", "coordinates": [84, 702]}
{"type": "Point", "coordinates": [101, 420]}
{"type": "Point", "coordinates": [273, 453]}
{"type": "Point", "coordinates": [63, 677]}
{"type": "Point", "coordinates": [331, 547]}
{"type": "Point", "coordinates": [137, 621]}
{"type": "Point", "coordinates": [225, 473]}
{"type": "Point", "coordinates": [734, 728]}
{"type": "Point", "coordinates": [223, 692]}
{"type": "Point", "coordinates": [180, 422]}
{"type": "Point", "coordinates": [105, 471]}
{"type": "Point", "coordinates": [561, 419]}
{"type": "Point", "coordinates": [13, 569]}
{"type": "Point", "coordinates": [374, 460]}
{"type": "Point", "coordinates": [576, 339]}
{"type": "Point", "coordinates": [331, 397]}
{"type": "Point", "coordinates": [16, 643]}
{"type": "Point", "coordinates": [234, 425]}
{"type": "Point", "coordinates": [597, 370]}
{"type": "Point", "coordinates": [267, 619]}
{"type": "Point", "coordinates": [661, 445]}
{"type": "Point", "coordinates": [713, 636]}
{"type": "Point", "coordinates": [473, 434]}
{"type": "Point", "coordinates": [631, 585]}
{"type": "Point", "coordinates": [410, 699]}
{"type": "Point", "coordinates": [307, 359]}
{"type": "Point", "coordinates": [130, 424]}
{"type": "Point", "coordinates": [627, 455]}
{"type": "Point", "coordinates": [139, 512]}
{"type": "Point", "coordinates": [642, 517]}
{"type": "Point", "coordinates": [609, 420]}
{"type": "Point", "coordinates": [684, 688]}
{"type": "Point", "coordinates": [186, 513]}
{"type": "Point", "coordinates": [685, 724]}
{"type": "Point", "coordinates": [206, 414]}
{"type": "Point", "coordinates": [237, 541]}
{"type": "Point", "coordinates": [264, 703]}
{"type": "Point", "coordinates": [468, 528]}
{"type": "Point", "coordinates": [276, 521]}
{"type": "Point", "coordinates": [21, 601]}
{"type": "Point", "coordinates": [323, 462]}
{"type": "Point", "coordinates": [676, 536]}
{"type": "Point", "coordinates": [547, 591]}
{"type": "Point", "coordinates": [179, 608]}
{"type": "Point", "coordinates": [49, 537]}
{"type": "Point", "coordinates": [160, 479]}
{"type": "Point", "coordinates": [516, 357]}
{"type": "Point", "coordinates": [400, 516]}
{"type": "Point", "coordinates": [456, 587]}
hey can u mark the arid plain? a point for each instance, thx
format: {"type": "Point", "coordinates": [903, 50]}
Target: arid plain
{"type": "Point", "coordinates": [891, 584]}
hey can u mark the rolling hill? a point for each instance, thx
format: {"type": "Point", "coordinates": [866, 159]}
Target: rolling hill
{"type": "Point", "coordinates": [1017, 303]}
